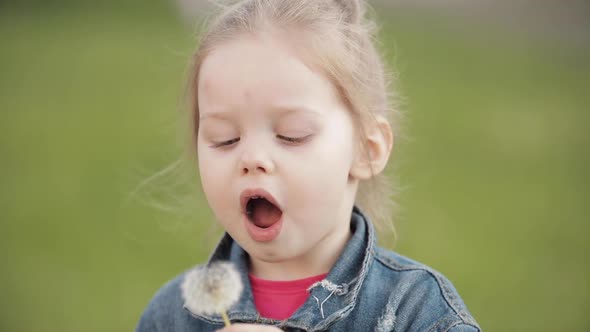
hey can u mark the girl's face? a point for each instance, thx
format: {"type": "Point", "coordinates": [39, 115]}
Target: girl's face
{"type": "Point", "coordinates": [272, 126]}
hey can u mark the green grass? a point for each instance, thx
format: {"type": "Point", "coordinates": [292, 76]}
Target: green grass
{"type": "Point", "coordinates": [494, 171]}
{"type": "Point", "coordinates": [497, 173]}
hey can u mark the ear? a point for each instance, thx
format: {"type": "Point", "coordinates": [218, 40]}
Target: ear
{"type": "Point", "coordinates": [375, 149]}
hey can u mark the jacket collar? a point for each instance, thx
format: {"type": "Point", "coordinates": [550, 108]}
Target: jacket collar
{"type": "Point", "coordinates": [330, 299]}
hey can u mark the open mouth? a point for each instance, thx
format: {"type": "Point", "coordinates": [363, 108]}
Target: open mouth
{"type": "Point", "coordinates": [263, 216]}
{"type": "Point", "coordinates": [262, 212]}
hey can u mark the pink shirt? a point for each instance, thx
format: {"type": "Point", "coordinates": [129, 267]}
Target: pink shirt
{"type": "Point", "coordinates": [280, 299]}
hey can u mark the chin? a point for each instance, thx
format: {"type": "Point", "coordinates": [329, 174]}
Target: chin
{"type": "Point", "coordinates": [270, 253]}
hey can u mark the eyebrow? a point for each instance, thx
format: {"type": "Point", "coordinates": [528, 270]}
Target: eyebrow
{"type": "Point", "coordinates": [225, 115]}
{"type": "Point", "coordinates": [282, 111]}
{"type": "Point", "coordinates": [298, 109]}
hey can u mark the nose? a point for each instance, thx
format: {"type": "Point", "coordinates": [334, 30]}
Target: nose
{"type": "Point", "coordinates": [254, 160]}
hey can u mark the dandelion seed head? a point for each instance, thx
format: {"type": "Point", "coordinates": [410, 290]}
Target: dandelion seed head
{"type": "Point", "coordinates": [211, 289]}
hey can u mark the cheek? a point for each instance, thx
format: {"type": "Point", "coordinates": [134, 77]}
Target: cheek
{"type": "Point", "coordinates": [213, 173]}
{"type": "Point", "coordinates": [331, 174]}
{"type": "Point", "coordinates": [322, 175]}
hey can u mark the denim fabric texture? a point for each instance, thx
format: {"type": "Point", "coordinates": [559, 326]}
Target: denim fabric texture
{"type": "Point", "coordinates": [368, 289]}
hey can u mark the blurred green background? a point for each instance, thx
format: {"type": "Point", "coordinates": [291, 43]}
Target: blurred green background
{"type": "Point", "coordinates": [493, 170]}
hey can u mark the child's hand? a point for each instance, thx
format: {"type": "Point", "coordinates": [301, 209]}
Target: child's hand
{"type": "Point", "coordinates": [250, 328]}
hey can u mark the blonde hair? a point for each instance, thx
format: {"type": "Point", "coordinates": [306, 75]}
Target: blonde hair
{"type": "Point", "coordinates": [340, 41]}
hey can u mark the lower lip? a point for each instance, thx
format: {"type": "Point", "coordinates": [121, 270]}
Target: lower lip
{"type": "Point", "coordinates": [260, 234]}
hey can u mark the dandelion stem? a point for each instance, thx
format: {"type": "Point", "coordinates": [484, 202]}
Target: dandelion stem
{"type": "Point", "coordinates": [225, 318]}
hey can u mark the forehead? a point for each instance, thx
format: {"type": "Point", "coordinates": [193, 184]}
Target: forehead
{"type": "Point", "coordinates": [258, 72]}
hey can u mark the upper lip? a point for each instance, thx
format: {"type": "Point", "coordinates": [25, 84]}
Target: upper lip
{"type": "Point", "coordinates": [247, 194]}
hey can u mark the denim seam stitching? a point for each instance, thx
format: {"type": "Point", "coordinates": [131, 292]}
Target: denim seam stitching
{"type": "Point", "coordinates": [370, 254]}
{"type": "Point", "coordinates": [462, 323]}
{"type": "Point", "coordinates": [450, 320]}
{"type": "Point", "coordinates": [447, 295]}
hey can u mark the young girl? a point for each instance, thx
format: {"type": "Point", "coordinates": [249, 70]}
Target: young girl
{"type": "Point", "coordinates": [292, 130]}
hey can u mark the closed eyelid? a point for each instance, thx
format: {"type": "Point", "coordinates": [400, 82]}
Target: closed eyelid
{"type": "Point", "coordinates": [216, 136]}
{"type": "Point", "coordinates": [224, 143]}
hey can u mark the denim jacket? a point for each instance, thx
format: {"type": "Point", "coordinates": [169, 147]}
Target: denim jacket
{"type": "Point", "coordinates": [368, 289]}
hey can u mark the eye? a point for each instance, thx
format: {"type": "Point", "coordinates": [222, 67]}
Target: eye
{"type": "Point", "coordinates": [225, 143]}
{"type": "Point", "coordinates": [293, 140]}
